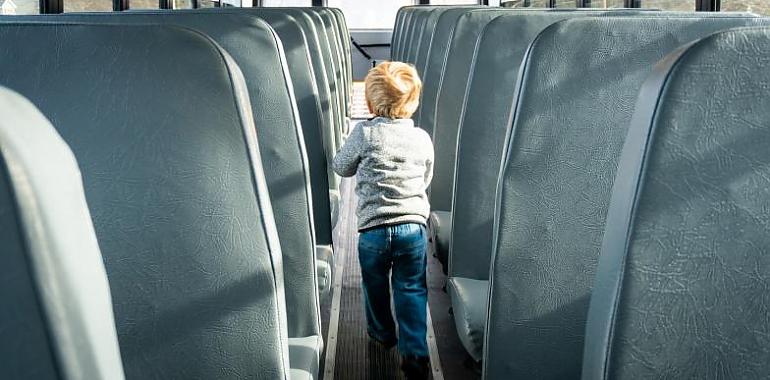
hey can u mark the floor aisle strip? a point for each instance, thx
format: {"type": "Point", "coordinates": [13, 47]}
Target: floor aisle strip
{"type": "Point", "coordinates": [331, 348]}
{"type": "Point", "coordinates": [435, 361]}
{"type": "Point", "coordinates": [345, 245]}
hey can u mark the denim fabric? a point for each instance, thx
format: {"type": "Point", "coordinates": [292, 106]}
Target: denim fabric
{"type": "Point", "coordinates": [401, 248]}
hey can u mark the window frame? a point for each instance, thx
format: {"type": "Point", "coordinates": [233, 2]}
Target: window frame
{"type": "Point", "coordinates": [57, 6]}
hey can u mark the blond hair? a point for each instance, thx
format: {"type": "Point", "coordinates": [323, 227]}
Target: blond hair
{"type": "Point", "coordinates": [393, 90]}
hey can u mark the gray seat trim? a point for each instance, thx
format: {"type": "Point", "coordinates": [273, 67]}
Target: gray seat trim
{"type": "Point", "coordinates": [729, 54]}
{"type": "Point", "coordinates": [609, 272]}
{"type": "Point", "coordinates": [63, 253]}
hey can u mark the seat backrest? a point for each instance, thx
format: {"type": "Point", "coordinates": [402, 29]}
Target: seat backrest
{"type": "Point", "coordinates": [680, 290]}
{"type": "Point", "coordinates": [571, 116]}
{"type": "Point", "coordinates": [419, 16]}
{"type": "Point", "coordinates": [434, 65]}
{"type": "Point", "coordinates": [488, 107]}
{"type": "Point", "coordinates": [396, 34]}
{"type": "Point", "coordinates": [452, 87]}
{"type": "Point", "coordinates": [417, 37]}
{"type": "Point", "coordinates": [282, 145]}
{"type": "Point", "coordinates": [343, 38]}
{"type": "Point", "coordinates": [423, 46]}
{"type": "Point", "coordinates": [55, 305]}
{"type": "Point", "coordinates": [347, 54]}
{"type": "Point", "coordinates": [173, 178]}
{"type": "Point", "coordinates": [426, 38]}
{"type": "Point", "coordinates": [327, 54]}
{"type": "Point", "coordinates": [453, 90]}
{"type": "Point", "coordinates": [280, 137]}
{"type": "Point", "coordinates": [319, 66]}
{"type": "Point", "coordinates": [329, 24]}
{"type": "Point", "coordinates": [306, 94]}
{"type": "Point", "coordinates": [398, 50]}
{"type": "Point", "coordinates": [322, 71]}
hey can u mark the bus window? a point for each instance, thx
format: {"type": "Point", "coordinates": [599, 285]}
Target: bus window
{"type": "Point", "coordinates": [607, 4]}
{"type": "Point", "coordinates": [183, 4]}
{"type": "Point", "coordinates": [670, 5]}
{"type": "Point", "coordinates": [287, 3]}
{"type": "Point", "coordinates": [19, 7]}
{"type": "Point", "coordinates": [453, 2]}
{"type": "Point", "coordinates": [566, 4]}
{"type": "Point", "coordinates": [87, 5]}
{"type": "Point", "coordinates": [761, 7]}
{"type": "Point", "coordinates": [369, 14]}
{"type": "Point", "coordinates": [525, 4]}
{"type": "Point", "coordinates": [143, 4]}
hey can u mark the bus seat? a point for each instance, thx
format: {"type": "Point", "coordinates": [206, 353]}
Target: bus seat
{"type": "Point", "coordinates": [680, 279]}
{"type": "Point", "coordinates": [439, 230]}
{"type": "Point", "coordinates": [440, 216]}
{"type": "Point", "coordinates": [395, 36]}
{"type": "Point", "coordinates": [329, 64]}
{"type": "Point", "coordinates": [572, 115]}
{"type": "Point", "coordinates": [347, 56]}
{"type": "Point", "coordinates": [426, 38]}
{"type": "Point", "coordinates": [330, 23]}
{"type": "Point", "coordinates": [452, 89]}
{"type": "Point", "coordinates": [398, 48]}
{"type": "Point", "coordinates": [282, 147]}
{"type": "Point", "coordinates": [325, 265]}
{"type": "Point", "coordinates": [312, 34]}
{"type": "Point", "coordinates": [173, 178]}
{"type": "Point", "coordinates": [411, 19]}
{"type": "Point", "coordinates": [488, 108]}
{"type": "Point", "coordinates": [335, 200]}
{"type": "Point", "coordinates": [421, 31]}
{"type": "Point", "coordinates": [280, 139]}
{"type": "Point", "coordinates": [434, 65]}
{"type": "Point", "coordinates": [303, 350]}
{"type": "Point", "coordinates": [301, 72]}
{"type": "Point", "coordinates": [337, 41]}
{"type": "Point", "coordinates": [55, 306]}
{"type": "Point", "coordinates": [419, 17]}
{"type": "Point", "coordinates": [469, 308]}
{"type": "Point", "coordinates": [423, 46]}
{"type": "Point", "coordinates": [295, 46]}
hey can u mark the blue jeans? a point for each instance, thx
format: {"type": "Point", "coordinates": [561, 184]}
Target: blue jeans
{"type": "Point", "coordinates": [401, 248]}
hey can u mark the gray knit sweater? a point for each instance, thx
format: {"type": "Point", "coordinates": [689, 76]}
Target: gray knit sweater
{"type": "Point", "coordinates": [393, 161]}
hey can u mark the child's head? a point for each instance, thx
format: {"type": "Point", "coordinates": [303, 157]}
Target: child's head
{"type": "Point", "coordinates": [393, 90]}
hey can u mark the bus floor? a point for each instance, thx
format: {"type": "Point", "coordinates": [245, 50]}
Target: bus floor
{"type": "Point", "coordinates": [350, 354]}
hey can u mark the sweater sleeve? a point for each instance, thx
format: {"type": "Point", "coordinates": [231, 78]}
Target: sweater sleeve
{"type": "Point", "coordinates": [349, 156]}
{"type": "Point", "coordinates": [429, 164]}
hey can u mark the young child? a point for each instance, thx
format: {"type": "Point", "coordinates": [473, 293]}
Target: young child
{"type": "Point", "coordinates": [393, 161]}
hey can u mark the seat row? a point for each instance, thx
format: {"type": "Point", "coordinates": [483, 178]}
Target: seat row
{"type": "Point", "coordinates": [203, 221]}
{"type": "Point", "coordinates": [577, 241]}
